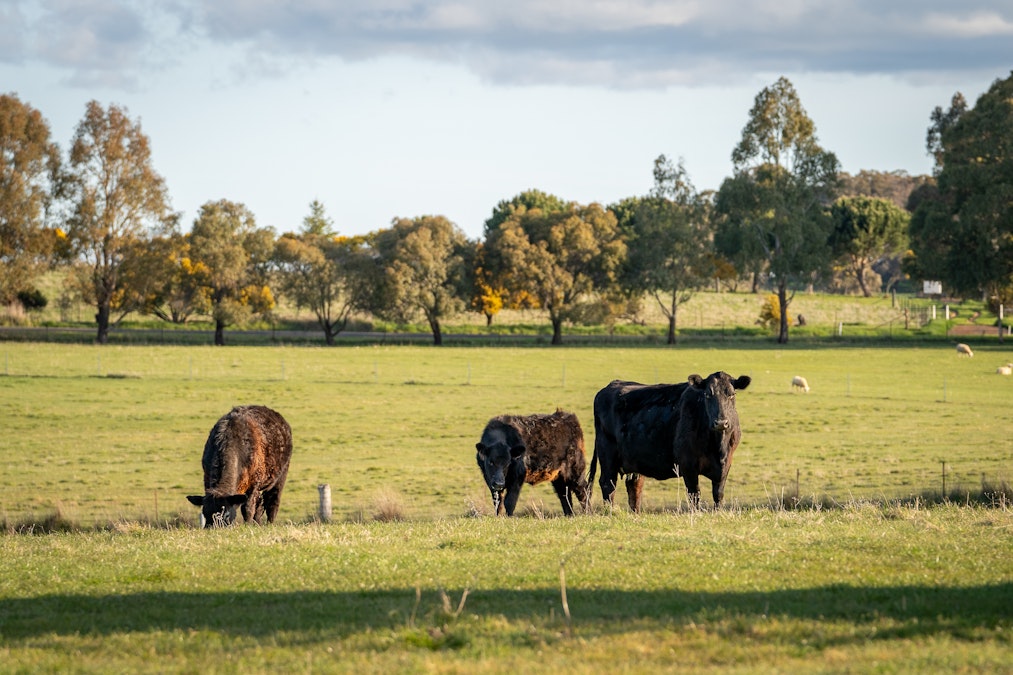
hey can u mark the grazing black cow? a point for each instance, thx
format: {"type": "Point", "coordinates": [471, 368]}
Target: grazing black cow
{"type": "Point", "coordinates": [245, 463]}
{"type": "Point", "coordinates": [663, 431]}
{"type": "Point", "coordinates": [518, 449]}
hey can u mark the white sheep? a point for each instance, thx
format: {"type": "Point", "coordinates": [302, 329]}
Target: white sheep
{"type": "Point", "coordinates": [799, 382]}
{"type": "Point", "coordinates": [1005, 370]}
{"type": "Point", "coordinates": [963, 350]}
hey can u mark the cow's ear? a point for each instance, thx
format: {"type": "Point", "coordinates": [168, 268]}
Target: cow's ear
{"type": "Point", "coordinates": [517, 451]}
{"type": "Point", "coordinates": [695, 380]}
{"type": "Point", "coordinates": [236, 499]}
{"type": "Point", "coordinates": [742, 382]}
{"type": "Point", "coordinates": [481, 449]}
{"type": "Point", "coordinates": [196, 500]}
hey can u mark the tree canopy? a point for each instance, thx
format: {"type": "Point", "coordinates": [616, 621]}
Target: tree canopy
{"type": "Point", "coordinates": [866, 229]}
{"type": "Point", "coordinates": [323, 271]}
{"type": "Point", "coordinates": [559, 257]}
{"type": "Point", "coordinates": [427, 263]}
{"type": "Point", "coordinates": [226, 242]}
{"type": "Point", "coordinates": [668, 241]}
{"type": "Point", "coordinates": [30, 173]}
{"type": "Point", "coordinates": [118, 199]}
{"type": "Point", "coordinates": [963, 234]}
{"type": "Point", "coordinates": [774, 203]}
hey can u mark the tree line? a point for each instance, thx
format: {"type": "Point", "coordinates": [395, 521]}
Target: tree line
{"type": "Point", "coordinates": [788, 218]}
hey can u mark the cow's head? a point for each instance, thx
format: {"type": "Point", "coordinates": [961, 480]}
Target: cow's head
{"type": "Point", "coordinates": [216, 511]}
{"type": "Point", "coordinates": [718, 392]}
{"type": "Point", "coordinates": [495, 456]}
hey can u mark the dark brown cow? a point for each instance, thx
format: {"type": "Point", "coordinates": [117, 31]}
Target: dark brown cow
{"type": "Point", "coordinates": [663, 431]}
{"type": "Point", "coordinates": [245, 463]}
{"type": "Point", "coordinates": [518, 449]}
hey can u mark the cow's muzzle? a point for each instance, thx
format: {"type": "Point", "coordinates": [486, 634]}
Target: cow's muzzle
{"type": "Point", "coordinates": [720, 425]}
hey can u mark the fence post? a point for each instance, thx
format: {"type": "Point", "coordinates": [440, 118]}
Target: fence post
{"type": "Point", "coordinates": [325, 502]}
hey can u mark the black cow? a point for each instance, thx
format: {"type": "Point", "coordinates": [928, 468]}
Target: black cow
{"type": "Point", "coordinates": [518, 449]}
{"type": "Point", "coordinates": [245, 463]}
{"type": "Point", "coordinates": [663, 431]}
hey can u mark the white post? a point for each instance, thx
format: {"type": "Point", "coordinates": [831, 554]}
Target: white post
{"type": "Point", "coordinates": [947, 310]}
{"type": "Point", "coordinates": [325, 502]}
{"type": "Point", "coordinates": [933, 312]}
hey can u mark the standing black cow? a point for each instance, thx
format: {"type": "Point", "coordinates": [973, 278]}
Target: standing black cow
{"type": "Point", "coordinates": [663, 431]}
{"type": "Point", "coordinates": [245, 463]}
{"type": "Point", "coordinates": [518, 449]}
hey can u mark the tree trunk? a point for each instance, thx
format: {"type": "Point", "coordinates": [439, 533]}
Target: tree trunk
{"type": "Point", "coordinates": [557, 331]}
{"type": "Point", "coordinates": [671, 329]}
{"type": "Point", "coordinates": [860, 271]}
{"type": "Point", "coordinates": [102, 319]}
{"type": "Point", "coordinates": [488, 320]}
{"type": "Point", "coordinates": [782, 300]}
{"type": "Point", "coordinates": [437, 333]}
{"type": "Point", "coordinates": [219, 333]}
{"type": "Point", "coordinates": [756, 283]}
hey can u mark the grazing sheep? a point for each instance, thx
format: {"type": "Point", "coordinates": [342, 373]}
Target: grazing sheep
{"type": "Point", "coordinates": [1005, 370]}
{"type": "Point", "coordinates": [799, 382]}
{"type": "Point", "coordinates": [964, 350]}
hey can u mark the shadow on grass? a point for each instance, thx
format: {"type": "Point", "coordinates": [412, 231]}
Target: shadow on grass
{"type": "Point", "coordinates": [905, 611]}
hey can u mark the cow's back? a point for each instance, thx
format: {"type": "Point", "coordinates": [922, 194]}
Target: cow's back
{"type": "Point", "coordinates": [250, 446]}
{"type": "Point", "coordinates": [554, 442]}
{"type": "Point", "coordinates": [640, 421]}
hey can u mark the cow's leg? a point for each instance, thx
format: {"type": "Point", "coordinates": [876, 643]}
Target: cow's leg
{"type": "Point", "coordinates": [581, 490]}
{"type": "Point", "coordinates": [634, 490]}
{"type": "Point", "coordinates": [718, 490]}
{"type": "Point", "coordinates": [272, 497]}
{"type": "Point", "coordinates": [562, 489]}
{"type": "Point", "coordinates": [692, 489]}
{"type": "Point", "coordinates": [271, 502]}
{"type": "Point", "coordinates": [608, 480]}
{"type": "Point", "coordinates": [249, 507]}
{"type": "Point", "coordinates": [513, 492]}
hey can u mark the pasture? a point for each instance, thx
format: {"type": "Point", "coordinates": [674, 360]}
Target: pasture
{"type": "Point", "coordinates": [863, 577]}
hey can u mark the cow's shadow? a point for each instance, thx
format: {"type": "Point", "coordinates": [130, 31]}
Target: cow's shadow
{"type": "Point", "coordinates": [914, 610]}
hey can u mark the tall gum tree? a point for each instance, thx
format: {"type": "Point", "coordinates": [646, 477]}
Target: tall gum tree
{"type": "Point", "coordinates": [30, 177]}
{"type": "Point", "coordinates": [118, 200]}
{"type": "Point", "coordinates": [963, 234]}
{"type": "Point", "coordinates": [668, 241]}
{"type": "Point", "coordinates": [777, 199]}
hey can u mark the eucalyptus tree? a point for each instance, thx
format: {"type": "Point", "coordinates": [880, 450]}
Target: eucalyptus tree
{"type": "Point", "coordinates": [324, 272]}
{"type": "Point", "coordinates": [426, 266]}
{"type": "Point", "coordinates": [963, 234]}
{"type": "Point", "coordinates": [232, 254]}
{"type": "Point", "coordinates": [561, 258]}
{"type": "Point", "coordinates": [776, 201]}
{"type": "Point", "coordinates": [118, 202]}
{"type": "Point", "coordinates": [30, 178]}
{"type": "Point", "coordinates": [668, 242]}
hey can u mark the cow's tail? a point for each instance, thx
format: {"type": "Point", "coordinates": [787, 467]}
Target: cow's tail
{"type": "Point", "coordinates": [591, 473]}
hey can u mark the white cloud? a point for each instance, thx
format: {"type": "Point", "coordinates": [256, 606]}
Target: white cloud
{"type": "Point", "coordinates": [970, 25]}
{"type": "Point", "coordinates": [606, 43]}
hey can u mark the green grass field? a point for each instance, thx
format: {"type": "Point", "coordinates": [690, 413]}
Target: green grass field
{"type": "Point", "coordinates": [865, 577]}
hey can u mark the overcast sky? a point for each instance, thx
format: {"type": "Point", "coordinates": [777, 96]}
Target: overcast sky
{"type": "Point", "coordinates": [402, 108]}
